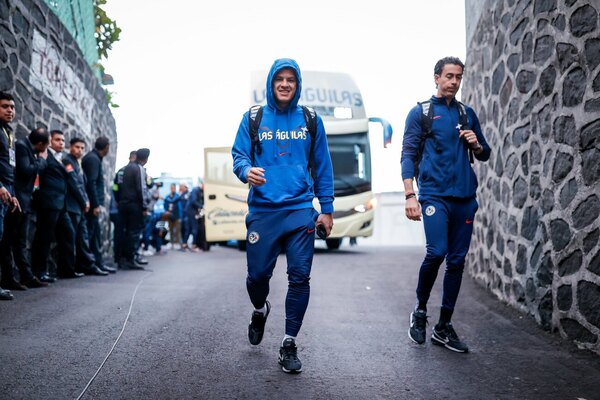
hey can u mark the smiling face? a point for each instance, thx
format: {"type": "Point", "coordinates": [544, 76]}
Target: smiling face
{"type": "Point", "coordinates": [7, 111]}
{"type": "Point", "coordinates": [448, 82]}
{"type": "Point", "coordinates": [284, 87]}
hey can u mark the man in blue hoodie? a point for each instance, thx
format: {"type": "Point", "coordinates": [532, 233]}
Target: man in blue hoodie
{"type": "Point", "coordinates": [447, 186]}
{"type": "Point", "coordinates": [281, 216]}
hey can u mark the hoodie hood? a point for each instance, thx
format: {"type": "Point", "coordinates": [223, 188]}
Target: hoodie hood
{"type": "Point", "coordinates": [277, 66]}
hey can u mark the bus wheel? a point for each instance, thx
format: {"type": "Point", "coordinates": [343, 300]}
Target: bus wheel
{"type": "Point", "coordinates": [241, 244]}
{"type": "Point", "coordinates": [333, 244]}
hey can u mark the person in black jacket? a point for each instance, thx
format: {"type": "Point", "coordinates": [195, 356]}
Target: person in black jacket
{"type": "Point", "coordinates": [95, 188]}
{"type": "Point", "coordinates": [133, 204]}
{"type": "Point", "coordinates": [78, 204]}
{"type": "Point", "coordinates": [52, 219]}
{"type": "Point", "coordinates": [7, 164]}
{"type": "Point", "coordinates": [31, 157]}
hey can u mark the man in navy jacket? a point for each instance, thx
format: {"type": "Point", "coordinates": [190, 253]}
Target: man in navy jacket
{"type": "Point", "coordinates": [447, 186]}
{"type": "Point", "coordinates": [280, 202]}
{"type": "Point", "coordinates": [95, 188]}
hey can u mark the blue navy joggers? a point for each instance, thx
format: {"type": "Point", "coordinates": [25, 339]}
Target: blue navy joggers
{"type": "Point", "coordinates": [448, 226]}
{"type": "Point", "coordinates": [268, 234]}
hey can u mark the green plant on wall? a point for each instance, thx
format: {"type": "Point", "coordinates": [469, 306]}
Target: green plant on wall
{"type": "Point", "coordinates": [107, 33]}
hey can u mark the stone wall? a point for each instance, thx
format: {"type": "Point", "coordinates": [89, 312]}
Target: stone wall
{"type": "Point", "coordinates": [54, 87]}
{"type": "Point", "coordinates": [533, 76]}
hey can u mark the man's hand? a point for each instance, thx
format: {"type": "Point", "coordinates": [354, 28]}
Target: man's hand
{"type": "Point", "coordinates": [256, 176]}
{"type": "Point", "coordinates": [326, 220]}
{"type": "Point", "coordinates": [471, 139]}
{"type": "Point", "coordinates": [87, 207]}
{"type": "Point", "coordinates": [96, 211]}
{"type": "Point", "coordinates": [5, 195]}
{"type": "Point", "coordinates": [15, 206]}
{"type": "Point", "coordinates": [43, 154]}
{"type": "Point", "coordinates": [413, 209]}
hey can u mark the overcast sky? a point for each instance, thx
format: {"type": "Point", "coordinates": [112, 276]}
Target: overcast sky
{"type": "Point", "coordinates": [182, 68]}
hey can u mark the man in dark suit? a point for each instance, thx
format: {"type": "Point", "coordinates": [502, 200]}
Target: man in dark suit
{"type": "Point", "coordinates": [78, 204]}
{"type": "Point", "coordinates": [133, 205]}
{"type": "Point", "coordinates": [31, 157]}
{"type": "Point", "coordinates": [95, 188]}
{"type": "Point", "coordinates": [8, 202]}
{"type": "Point", "coordinates": [52, 218]}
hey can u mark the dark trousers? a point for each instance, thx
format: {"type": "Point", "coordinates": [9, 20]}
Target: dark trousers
{"type": "Point", "coordinates": [132, 218]}
{"type": "Point", "coordinates": [270, 233]}
{"type": "Point", "coordinates": [13, 247]}
{"type": "Point", "coordinates": [95, 237]}
{"type": "Point", "coordinates": [53, 224]}
{"type": "Point", "coordinates": [201, 237]}
{"type": "Point", "coordinates": [448, 227]}
{"type": "Point", "coordinates": [83, 253]}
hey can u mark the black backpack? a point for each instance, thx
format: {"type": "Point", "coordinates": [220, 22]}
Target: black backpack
{"type": "Point", "coordinates": [427, 122]}
{"type": "Point", "coordinates": [255, 116]}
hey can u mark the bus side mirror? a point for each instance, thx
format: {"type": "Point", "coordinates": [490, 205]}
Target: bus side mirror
{"type": "Point", "coordinates": [387, 130]}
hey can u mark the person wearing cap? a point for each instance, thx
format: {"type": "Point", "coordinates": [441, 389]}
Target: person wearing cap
{"type": "Point", "coordinates": [133, 205]}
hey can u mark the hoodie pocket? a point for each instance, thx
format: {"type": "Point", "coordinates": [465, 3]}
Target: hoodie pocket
{"type": "Point", "coordinates": [285, 184]}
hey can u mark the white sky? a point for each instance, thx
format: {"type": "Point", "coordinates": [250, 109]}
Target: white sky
{"type": "Point", "coordinates": [182, 68]}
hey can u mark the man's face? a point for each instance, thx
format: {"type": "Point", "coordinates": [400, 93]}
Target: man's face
{"type": "Point", "coordinates": [57, 142]}
{"type": "Point", "coordinates": [448, 82]}
{"type": "Point", "coordinates": [7, 111]}
{"type": "Point", "coordinates": [284, 87]}
{"type": "Point", "coordinates": [77, 150]}
{"type": "Point", "coordinates": [41, 147]}
{"type": "Point", "coordinates": [173, 188]}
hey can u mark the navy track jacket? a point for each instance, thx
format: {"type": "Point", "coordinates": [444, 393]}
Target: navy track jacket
{"type": "Point", "coordinates": [444, 169]}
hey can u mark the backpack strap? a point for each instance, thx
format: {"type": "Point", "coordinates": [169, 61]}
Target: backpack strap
{"type": "Point", "coordinates": [426, 132]}
{"type": "Point", "coordinates": [310, 117]}
{"type": "Point", "coordinates": [463, 120]}
{"type": "Point", "coordinates": [254, 117]}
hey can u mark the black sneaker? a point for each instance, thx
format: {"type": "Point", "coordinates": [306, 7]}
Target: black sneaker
{"type": "Point", "coordinates": [288, 358]}
{"type": "Point", "coordinates": [447, 337]}
{"type": "Point", "coordinates": [256, 329]}
{"type": "Point", "coordinates": [416, 332]}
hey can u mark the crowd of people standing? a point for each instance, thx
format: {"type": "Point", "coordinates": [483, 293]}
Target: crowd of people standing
{"type": "Point", "coordinates": [51, 203]}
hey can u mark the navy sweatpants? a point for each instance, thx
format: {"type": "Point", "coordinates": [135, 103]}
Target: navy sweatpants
{"type": "Point", "coordinates": [448, 227]}
{"type": "Point", "coordinates": [270, 233]}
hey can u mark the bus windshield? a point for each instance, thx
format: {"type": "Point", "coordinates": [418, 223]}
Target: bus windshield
{"type": "Point", "coordinates": [351, 159]}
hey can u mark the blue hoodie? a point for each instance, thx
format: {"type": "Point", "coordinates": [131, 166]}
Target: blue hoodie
{"type": "Point", "coordinates": [285, 143]}
{"type": "Point", "coordinates": [446, 173]}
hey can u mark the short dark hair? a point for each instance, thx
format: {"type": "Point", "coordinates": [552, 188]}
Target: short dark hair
{"type": "Point", "coordinates": [76, 140]}
{"type": "Point", "coordinates": [39, 135]}
{"type": "Point", "coordinates": [143, 154]}
{"type": "Point", "coordinates": [56, 132]}
{"type": "Point", "coordinates": [133, 153]}
{"type": "Point", "coordinates": [6, 96]}
{"type": "Point", "coordinates": [439, 66]}
{"type": "Point", "coordinates": [101, 143]}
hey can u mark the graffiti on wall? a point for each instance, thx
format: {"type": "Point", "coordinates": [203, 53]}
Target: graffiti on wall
{"type": "Point", "coordinates": [53, 75]}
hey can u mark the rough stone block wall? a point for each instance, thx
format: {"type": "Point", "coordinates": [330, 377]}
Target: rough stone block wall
{"type": "Point", "coordinates": [533, 76]}
{"type": "Point", "coordinates": [54, 87]}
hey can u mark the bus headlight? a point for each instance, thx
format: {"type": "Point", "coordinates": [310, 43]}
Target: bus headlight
{"type": "Point", "coordinates": [369, 205]}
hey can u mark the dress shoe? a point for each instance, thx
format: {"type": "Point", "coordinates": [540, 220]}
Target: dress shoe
{"type": "Point", "coordinates": [13, 285]}
{"type": "Point", "coordinates": [139, 260]}
{"type": "Point", "coordinates": [107, 269]}
{"type": "Point", "coordinates": [93, 270]}
{"type": "Point", "coordinates": [6, 295]}
{"type": "Point", "coordinates": [127, 264]}
{"type": "Point", "coordinates": [35, 283]}
{"type": "Point", "coordinates": [70, 275]}
{"type": "Point", "coordinates": [47, 278]}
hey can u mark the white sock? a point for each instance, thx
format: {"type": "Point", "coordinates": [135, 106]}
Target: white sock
{"type": "Point", "coordinates": [262, 310]}
{"type": "Point", "coordinates": [288, 337]}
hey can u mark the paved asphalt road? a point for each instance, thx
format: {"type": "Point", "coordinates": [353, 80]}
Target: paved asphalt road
{"type": "Point", "coordinates": [186, 337]}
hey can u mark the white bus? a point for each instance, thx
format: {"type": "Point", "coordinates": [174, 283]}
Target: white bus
{"type": "Point", "coordinates": [336, 98]}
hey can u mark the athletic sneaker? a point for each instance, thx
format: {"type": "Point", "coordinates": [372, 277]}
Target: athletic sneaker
{"type": "Point", "coordinates": [418, 320]}
{"type": "Point", "coordinates": [288, 358]}
{"type": "Point", "coordinates": [256, 329]}
{"type": "Point", "coordinates": [447, 337]}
